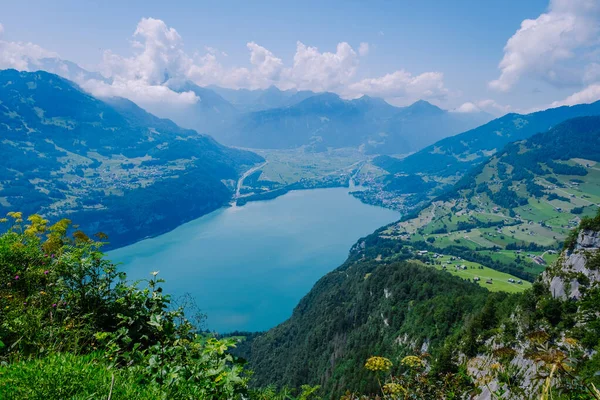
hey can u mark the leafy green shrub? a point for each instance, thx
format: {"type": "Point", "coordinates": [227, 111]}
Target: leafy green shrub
{"type": "Point", "coordinates": [591, 223]}
{"type": "Point", "coordinates": [58, 295]}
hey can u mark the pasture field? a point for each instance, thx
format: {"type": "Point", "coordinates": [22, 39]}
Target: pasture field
{"type": "Point", "coordinates": [499, 280]}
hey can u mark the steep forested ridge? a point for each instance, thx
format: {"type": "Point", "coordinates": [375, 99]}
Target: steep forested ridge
{"type": "Point", "coordinates": [361, 309]}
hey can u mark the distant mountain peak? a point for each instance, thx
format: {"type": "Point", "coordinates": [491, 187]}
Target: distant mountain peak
{"type": "Point", "coordinates": [422, 106]}
{"type": "Point", "coordinates": [273, 89]}
{"type": "Point", "coordinates": [365, 99]}
{"type": "Point", "coordinates": [325, 98]}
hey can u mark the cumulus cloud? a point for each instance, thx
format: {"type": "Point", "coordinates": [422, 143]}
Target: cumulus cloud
{"type": "Point", "coordinates": [487, 105]}
{"type": "Point", "coordinates": [20, 55]}
{"type": "Point", "coordinates": [314, 70]}
{"type": "Point", "coordinates": [267, 66]}
{"type": "Point", "coordinates": [588, 95]}
{"type": "Point", "coordinates": [467, 107]}
{"type": "Point", "coordinates": [158, 63]}
{"type": "Point", "coordinates": [542, 47]}
{"type": "Point", "coordinates": [139, 92]}
{"type": "Point", "coordinates": [402, 84]}
{"type": "Point", "coordinates": [158, 56]}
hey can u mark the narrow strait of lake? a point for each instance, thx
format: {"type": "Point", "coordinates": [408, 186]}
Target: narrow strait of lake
{"type": "Point", "coordinates": [247, 267]}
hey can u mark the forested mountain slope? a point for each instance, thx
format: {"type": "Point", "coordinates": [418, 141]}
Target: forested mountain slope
{"type": "Point", "coordinates": [456, 154]}
{"type": "Point", "coordinates": [412, 181]}
{"type": "Point", "coordinates": [107, 164]}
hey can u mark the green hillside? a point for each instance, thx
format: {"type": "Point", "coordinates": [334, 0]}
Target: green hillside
{"type": "Point", "coordinates": [443, 163]}
{"type": "Point", "coordinates": [513, 212]}
{"type": "Point", "coordinates": [107, 164]}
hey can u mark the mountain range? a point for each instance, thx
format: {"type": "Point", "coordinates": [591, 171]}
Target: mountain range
{"type": "Point", "coordinates": [282, 119]}
{"type": "Point", "coordinates": [456, 154]}
{"type": "Point", "coordinates": [277, 119]}
{"type": "Point", "coordinates": [246, 100]}
{"type": "Point", "coordinates": [328, 121]}
{"type": "Point", "coordinates": [417, 178]}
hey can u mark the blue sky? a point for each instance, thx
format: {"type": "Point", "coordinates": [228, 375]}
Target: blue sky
{"type": "Point", "coordinates": [447, 52]}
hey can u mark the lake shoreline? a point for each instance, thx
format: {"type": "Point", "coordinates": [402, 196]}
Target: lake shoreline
{"type": "Point", "coordinates": [247, 267]}
{"type": "Point", "coordinates": [236, 203]}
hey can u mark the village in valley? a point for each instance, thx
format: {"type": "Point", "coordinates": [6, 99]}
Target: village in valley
{"type": "Point", "coordinates": [525, 238]}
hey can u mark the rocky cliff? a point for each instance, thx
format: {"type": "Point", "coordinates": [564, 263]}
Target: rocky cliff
{"type": "Point", "coordinates": [576, 269]}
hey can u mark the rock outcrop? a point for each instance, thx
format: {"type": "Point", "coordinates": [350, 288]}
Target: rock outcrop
{"type": "Point", "coordinates": [577, 268]}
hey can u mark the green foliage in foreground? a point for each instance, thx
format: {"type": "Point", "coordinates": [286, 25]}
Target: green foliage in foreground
{"type": "Point", "coordinates": [67, 376]}
{"type": "Point", "coordinates": [72, 327]}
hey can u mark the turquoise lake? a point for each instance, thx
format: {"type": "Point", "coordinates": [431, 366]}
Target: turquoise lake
{"type": "Point", "coordinates": [247, 267]}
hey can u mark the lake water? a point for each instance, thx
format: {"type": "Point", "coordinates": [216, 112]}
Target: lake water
{"type": "Point", "coordinates": [248, 267]}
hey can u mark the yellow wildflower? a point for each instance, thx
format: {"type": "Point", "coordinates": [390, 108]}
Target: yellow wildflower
{"type": "Point", "coordinates": [412, 362]}
{"type": "Point", "coordinates": [571, 342]}
{"type": "Point", "coordinates": [393, 388]}
{"type": "Point", "coordinates": [378, 364]}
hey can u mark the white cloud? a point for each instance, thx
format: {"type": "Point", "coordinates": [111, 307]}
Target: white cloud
{"type": "Point", "coordinates": [159, 61]}
{"type": "Point", "coordinates": [139, 92]}
{"type": "Point", "coordinates": [402, 84]}
{"type": "Point", "coordinates": [487, 105]}
{"type": "Point", "coordinates": [467, 107]}
{"type": "Point", "coordinates": [363, 49]}
{"type": "Point", "coordinates": [159, 55]}
{"type": "Point", "coordinates": [21, 56]}
{"type": "Point", "coordinates": [215, 51]}
{"type": "Point", "coordinates": [542, 47]}
{"type": "Point", "coordinates": [268, 67]}
{"type": "Point", "coordinates": [313, 70]}
{"type": "Point", "coordinates": [588, 95]}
